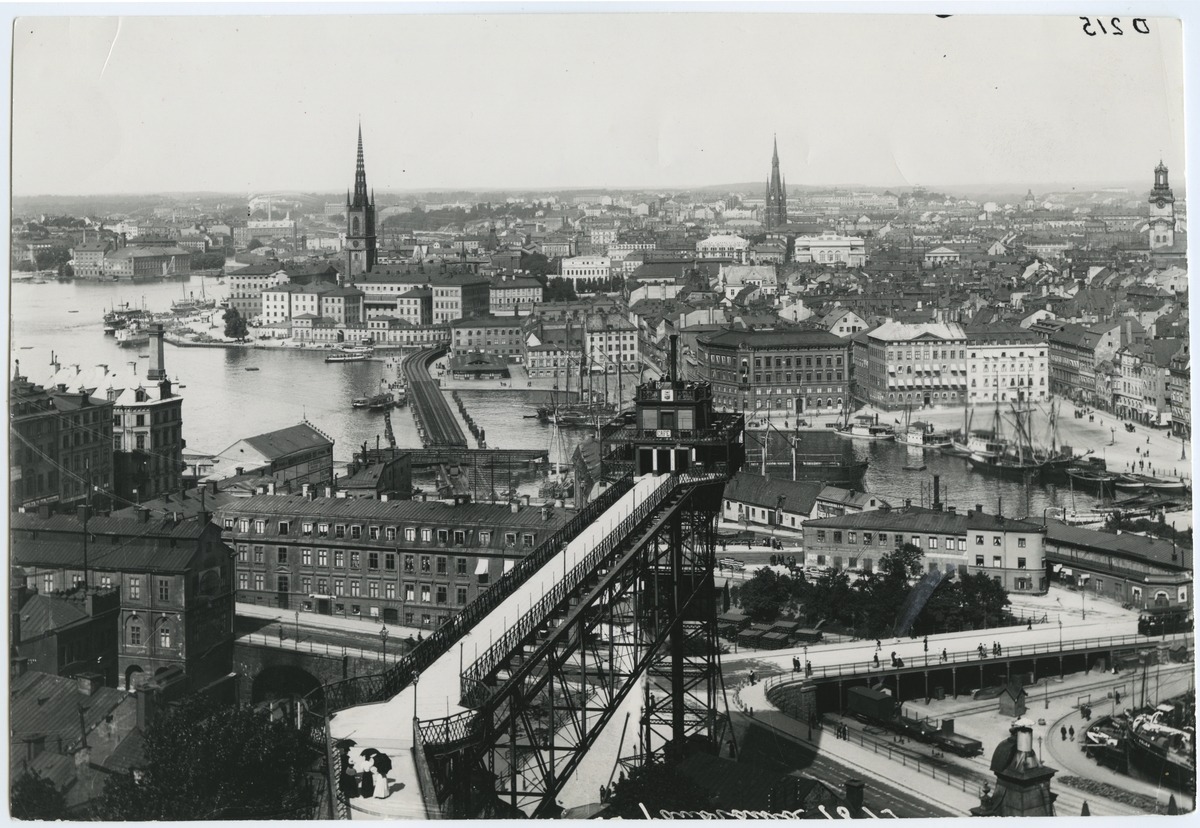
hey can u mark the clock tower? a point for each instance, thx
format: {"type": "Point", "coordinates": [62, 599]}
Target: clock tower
{"type": "Point", "coordinates": [1162, 211]}
{"type": "Point", "coordinates": [360, 222]}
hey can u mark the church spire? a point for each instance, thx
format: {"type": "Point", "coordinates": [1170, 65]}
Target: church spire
{"type": "Point", "coordinates": [775, 214]}
{"type": "Point", "coordinates": [360, 176]}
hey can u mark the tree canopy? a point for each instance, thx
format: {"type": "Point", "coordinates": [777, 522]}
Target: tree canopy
{"type": "Point", "coordinates": [35, 797]}
{"type": "Point", "coordinates": [235, 326]}
{"type": "Point", "coordinates": [559, 289]}
{"type": "Point", "coordinates": [203, 761]}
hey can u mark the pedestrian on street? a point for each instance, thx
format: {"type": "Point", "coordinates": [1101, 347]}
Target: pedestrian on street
{"type": "Point", "coordinates": [877, 659]}
{"type": "Point", "coordinates": [878, 644]}
{"type": "Point", "coordinates": [926, 643]}
{"type": "Point", "coordinates": [1063, 730]}
{"type": "Point", "coordinates": [1071, 731]}
{"type": "Point", "coordinates": [944, 656]}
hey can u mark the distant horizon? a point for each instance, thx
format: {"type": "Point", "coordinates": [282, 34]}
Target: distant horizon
{"type": "Point", "coordinates": [750, 188]}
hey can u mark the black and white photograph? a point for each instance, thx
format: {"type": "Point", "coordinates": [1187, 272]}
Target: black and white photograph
{"type": "Point", "coordinates": [599, 411]}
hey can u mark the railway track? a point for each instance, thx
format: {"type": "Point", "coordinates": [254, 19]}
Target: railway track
{"type": "Point", "coordinates": [435, 420]}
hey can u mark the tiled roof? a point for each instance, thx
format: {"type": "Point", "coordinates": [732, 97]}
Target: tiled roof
{"type": "Point", "coordinates": [799, 496]}
{"type": "Point", "coordinates": [288, 440]}
{"type": "Point", "coordinates": [41, 704]}
{"type": "Point", "coordinates": [1127, 544]}
{"type": "Point", "coordinates": [775, 339]}
{"type": "Point", "coordinates": [99, 525]}
{"type": "Point", "coordinates": [917, 519]}
{"type": "Point", "coordinates": [43, 613]}
{"type": "Point", "coordinates": [125, 555]}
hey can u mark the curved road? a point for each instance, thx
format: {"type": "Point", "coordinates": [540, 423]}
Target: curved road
{"type": "Point", "coordinates": [439, 427]}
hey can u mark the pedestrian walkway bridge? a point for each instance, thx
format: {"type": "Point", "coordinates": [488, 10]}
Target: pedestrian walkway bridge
{"type": "Point", "coordinates": [495, 726]}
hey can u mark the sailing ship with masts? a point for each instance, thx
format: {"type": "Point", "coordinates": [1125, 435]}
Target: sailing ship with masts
{"type": "Point", "coordinates": [591, 407]}
{"type": "Point", "coordinates": [1014, 456]}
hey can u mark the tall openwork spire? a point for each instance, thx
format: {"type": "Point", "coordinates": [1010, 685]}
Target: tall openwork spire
{"type": "Point", "coordinates": [775, 214]}
{"type": "Point", "coordinates": [360, 177]}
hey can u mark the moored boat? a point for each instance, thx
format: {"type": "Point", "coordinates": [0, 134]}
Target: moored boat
{"type": "Point", "coordinates": [865, 428]}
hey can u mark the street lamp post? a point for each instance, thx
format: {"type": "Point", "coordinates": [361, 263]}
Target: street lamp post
{"type": "Point", "coordinates": [1060, 635]}
{"type": "Point", "coordinates": [1039, 749]}
{"type": "Point", "coordinates": [383, 634]}
{"type": "Point", "coordinates": [297, 628]}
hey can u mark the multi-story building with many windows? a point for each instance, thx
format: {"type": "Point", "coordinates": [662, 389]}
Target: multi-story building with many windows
{"type": "Point", "coordinates": [1009, 551]}
{"type": "Point", "coordinates": [174, 577]}
{"type": "Point", "coordinates": [779, 370]}
{"type": "Point", "coordinates": [401, 562]}
{"type": "Point", "coordinates": [514, 295]}
{"type": "Point", "coordinates": [499, 336]}
{"type": "Point", "coordinates": [60, 444]}
{"type": "Point", "coordinates": [1006, 363]}
{"type": "Point", "coordinates": [1179, 389]}
{"type": "Point", "coordinates": [900, 365]}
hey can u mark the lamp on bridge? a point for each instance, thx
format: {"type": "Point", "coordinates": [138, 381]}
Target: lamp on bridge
{"type": "Point", "coordinates": [383, 634]}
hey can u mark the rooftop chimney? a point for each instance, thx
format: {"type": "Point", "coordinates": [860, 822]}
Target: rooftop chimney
{"type": "Point", "coordinates": [937, 493]}
{"type": "Point", "coordinates": [673, 372]}
{"type": "Point", "coordinates": [143, 515]}
{"type": "Point", "coordinates": [854, 795]}
{"type": "Point", "coordinates": [157, 370]}
{"type": "Point", "coordinates": [211, 485]}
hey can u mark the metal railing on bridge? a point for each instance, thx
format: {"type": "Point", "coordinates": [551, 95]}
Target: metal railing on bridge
{"type": "Point", "coordinates": [472, 677]}
{"type": "Point", "coordinates": [317, 648]}
{"type": "Point", "coordinates": [382, 686]}
{"type": "Point", "coordinates": [961, 658]}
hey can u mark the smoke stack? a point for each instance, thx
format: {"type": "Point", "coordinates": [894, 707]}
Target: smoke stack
{"type": "Point", "coordinates": [157, 371]}
{"type": "Point", "coordinates": [673, 374]}
{"type": "Point", "coordinates": [937, 492]}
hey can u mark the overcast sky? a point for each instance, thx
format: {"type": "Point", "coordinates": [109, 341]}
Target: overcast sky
{"type": "Point", "coordinates": [252, 104]}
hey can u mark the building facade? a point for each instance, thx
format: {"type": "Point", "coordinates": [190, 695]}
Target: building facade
{"type": "Point", "coordinates": [1125, 568]}
{"type": "Point", "coordinates": [1179, 389]}
{"type": "Point", "coordinates": [1009, 551]}
{"type": "Point", "coordinates": [831, 248]}
{"type": "Point", "coordinates": [514, 295]}
{"type": "Point", "coordinates": [586, 268]}
{"type": "Point", "coordinates": [60, 446]}
{"type": "Point", "coordinates": [174, 578]}
{"type": "Point", "coordinates": [911, 365]}
{"type": "Point", "coordinates": [1006, 363]}
{"type": "Point", "coordinates": [400, 562]}
{"type": "Point", "coordinates": [498, 336]}
{"type": "Point", "coordinates": [247, 285]}
{"type": "Point", "coordinates": [786, 370]}
{"type": "Point", "coordinates": [724, 247]}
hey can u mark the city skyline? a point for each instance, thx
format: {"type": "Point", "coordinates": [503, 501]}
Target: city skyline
{"type": "Point", "coordinates": [565, 118]}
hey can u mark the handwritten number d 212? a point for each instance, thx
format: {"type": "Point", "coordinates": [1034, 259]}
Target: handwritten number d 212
{"type": "Point", "coordinates": [1139, 25]}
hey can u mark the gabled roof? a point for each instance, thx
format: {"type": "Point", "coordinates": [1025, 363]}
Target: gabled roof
{"type": "Point", "coordinates": [800, 496]}
{"type": "Point", "coordinates": [285, 441]}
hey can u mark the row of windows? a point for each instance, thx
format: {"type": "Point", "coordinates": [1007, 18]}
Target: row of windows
{"type": "Point", "coordinates": [807, 377]}
{"type": "Point", "coordinates": [284, 556]}
{"type": "Point", "coordinates": [868, 538]}
{"type": "Point", "coordinates": [430, 593]}
{"type": "Point", "coordinates": [459, 537]}
{"type": "Point", "coordinates": [924, 353]}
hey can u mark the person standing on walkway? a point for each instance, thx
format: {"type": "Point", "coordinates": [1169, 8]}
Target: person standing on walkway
{"type": "Point", "coordinates": [1063, 730]}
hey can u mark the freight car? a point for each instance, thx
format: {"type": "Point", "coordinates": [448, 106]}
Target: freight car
{"type": "Point", "coordinates": [878, 708]}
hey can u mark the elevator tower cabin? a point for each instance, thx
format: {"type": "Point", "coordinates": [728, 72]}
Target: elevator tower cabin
{"type": "Point", "coordinates": [674, 429]}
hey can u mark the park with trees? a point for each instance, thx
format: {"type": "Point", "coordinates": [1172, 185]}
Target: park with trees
{"type": "Point", "coordinates": [867, 604]}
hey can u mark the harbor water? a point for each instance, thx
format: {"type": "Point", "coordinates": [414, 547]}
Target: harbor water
{"type": "Point", "coordinates": [224, 402]}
